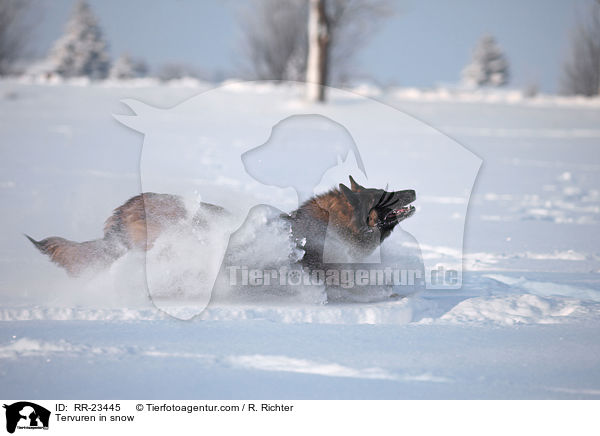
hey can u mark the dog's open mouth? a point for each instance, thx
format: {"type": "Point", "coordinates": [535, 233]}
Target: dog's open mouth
{"type": "Point", "coordinates": [400, 214]}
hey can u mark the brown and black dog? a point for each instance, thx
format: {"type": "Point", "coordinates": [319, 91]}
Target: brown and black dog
{"type": "Point", "coordinates": [362, 217]}
{"type": "Point", "coordinates": [134, 225]}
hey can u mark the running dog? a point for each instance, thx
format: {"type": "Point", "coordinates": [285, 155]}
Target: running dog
{"type": "Point", "coordinates": [361, 217]}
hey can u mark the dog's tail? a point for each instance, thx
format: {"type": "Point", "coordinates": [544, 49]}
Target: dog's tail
{"type": "Point", "coordinates": [76, 257]}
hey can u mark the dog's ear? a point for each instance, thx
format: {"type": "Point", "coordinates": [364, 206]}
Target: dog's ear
{"type": "Point", "coordinates": [355, 186]}
{"type": "Point", "coordinates": [350, 196]}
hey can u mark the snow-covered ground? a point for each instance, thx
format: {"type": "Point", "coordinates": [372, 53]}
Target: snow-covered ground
{"type": "Point", "coordinates": [524, 324]}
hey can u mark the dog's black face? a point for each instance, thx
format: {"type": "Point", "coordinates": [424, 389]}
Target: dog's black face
{"type": "Point", "coordinates": [377, 209]}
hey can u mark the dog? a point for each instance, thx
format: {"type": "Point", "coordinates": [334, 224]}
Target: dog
{"type": "Point", "coordinates": [361, 217]}
{"type": "Point", "coordinates": [135, 225]}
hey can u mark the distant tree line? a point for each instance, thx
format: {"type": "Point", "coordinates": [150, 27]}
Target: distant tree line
{"type": "Point", "coordinates": [301, 40]}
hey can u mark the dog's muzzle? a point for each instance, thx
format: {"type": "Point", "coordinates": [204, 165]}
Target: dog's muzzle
{"type": "Point", "coordinates": [400, 214]}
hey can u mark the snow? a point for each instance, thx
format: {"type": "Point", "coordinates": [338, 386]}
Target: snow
{"type": "Point", "coordinates": [517, 309]}
{"type": "Point", "coordinates": [523, 325]}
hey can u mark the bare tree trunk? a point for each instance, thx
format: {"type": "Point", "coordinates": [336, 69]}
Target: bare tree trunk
{"type": "Point", "coordinates": [581, 73]}
{"type": "Point", "coordinates": [598, 60]}
{"type": "Point", "coordinates": [318, 51]}
{"type": "Point", "coordinates": [14, 32]}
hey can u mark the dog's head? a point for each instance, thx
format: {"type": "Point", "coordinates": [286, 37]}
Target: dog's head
{"type": "Point", "coordinates": [377, 210]}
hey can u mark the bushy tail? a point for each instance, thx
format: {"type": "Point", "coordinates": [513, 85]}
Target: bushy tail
{"type": "Point", "coordinates": [76, 257]}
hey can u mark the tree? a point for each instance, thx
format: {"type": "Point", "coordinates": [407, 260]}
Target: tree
{"type": "Point", "coordinates": [125, 67]}
{"type": "Point", "coordinates": [488, 66]}
{"type": "Point", "coordinates": [274, 39]}
{"type": "Point", "coordinates": [352, 23]}
{"type": "Point", "coordinates": [82, 50]}
{"type": "Point", "coordinates": [275, 35]}
{"type": "Point", "coordinates": [318, 51]}
{"type": "Point", "coordinates": [581, 72]}
{"type": "Point", "coordinates": [13, 32]}
{"type": "Point", "coordinates": [178, 70]}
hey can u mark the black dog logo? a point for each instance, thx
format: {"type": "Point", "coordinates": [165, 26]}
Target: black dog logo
{"type": "Point", "coordinates": [31, 413]}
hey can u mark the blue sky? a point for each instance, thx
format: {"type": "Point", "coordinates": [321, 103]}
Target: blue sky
{"type": "Point", "coordinates": [425, 43]}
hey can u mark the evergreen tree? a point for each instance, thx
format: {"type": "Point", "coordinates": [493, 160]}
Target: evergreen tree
{"type": "Point", "coordinates": [488, 66]}
{"type": "Point", "coordinates": [125, 67]}
{"type": "Point", "coordinates": [82, 50]}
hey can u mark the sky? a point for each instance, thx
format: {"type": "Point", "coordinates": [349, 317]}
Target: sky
{"type": "Point", "coordinates": [423, 44]}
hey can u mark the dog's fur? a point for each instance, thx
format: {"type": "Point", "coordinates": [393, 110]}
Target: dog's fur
{"type": "Point", "coordinates": [133, 225]}
{"type": "Point", "coordinates": [361, 216]}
